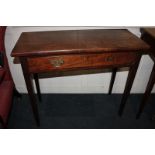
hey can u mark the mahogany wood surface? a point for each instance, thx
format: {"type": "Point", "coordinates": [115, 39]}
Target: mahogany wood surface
{"type": "Point", "coordinates": [77, 41]}
{"type": "Point", "coordinates": [54, 51]}
{"type": "Point", "coordinates": [78, 61]}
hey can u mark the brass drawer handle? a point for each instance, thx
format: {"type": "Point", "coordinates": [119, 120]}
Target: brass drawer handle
{"type": "Point", "coordinates": [109, 59]}
{"type": "Point", "coordinates": [57, 62]}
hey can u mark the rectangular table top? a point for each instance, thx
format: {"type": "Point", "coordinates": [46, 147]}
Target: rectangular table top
{"type": "Point", "coordinates": [77, 41]}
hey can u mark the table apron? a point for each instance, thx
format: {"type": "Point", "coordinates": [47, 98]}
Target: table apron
{"type": "Point", "coordinates": [81, 61]}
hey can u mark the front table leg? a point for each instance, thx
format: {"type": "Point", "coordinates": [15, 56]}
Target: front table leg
{"type": "Point", "coordinates": [30, 88]}
{"type": "Point", "coordinates": [130, 79]}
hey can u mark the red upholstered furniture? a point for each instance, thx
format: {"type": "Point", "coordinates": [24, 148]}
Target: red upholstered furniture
{"type": "Point", "coordinates": [7, 87]}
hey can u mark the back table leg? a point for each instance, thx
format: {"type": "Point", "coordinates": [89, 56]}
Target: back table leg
{"type": "Point", "coordinates": [37, 85]}
{"type": "Point", "coordinates": [130, 79]}
{"type": "Point", "coordinates": [147, 92]}
{"type": "Point", "coordinates": [112, 80]}
{"type": "Point", "coordinates": [29, 85]}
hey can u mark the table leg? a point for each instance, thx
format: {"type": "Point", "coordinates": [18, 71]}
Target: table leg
{"type": "Point", "coordinates": [112, 80]}
{"type": "Point", "coordinates": [29, 85]}
{"type": "Point", "coordinates": [130, 79]}
{"type": "Point", "coordinates": [37, 85]}
{"type": "Point", "coordinates": [147, 92]}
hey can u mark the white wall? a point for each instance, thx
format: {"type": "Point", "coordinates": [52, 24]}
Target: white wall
{"type": "Point", "coordinates": [94, 83]}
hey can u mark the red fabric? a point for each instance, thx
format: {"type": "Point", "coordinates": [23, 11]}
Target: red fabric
{"type": "Point", "coordinates": [6, 84]}
{"type": "Point", "coordinates": [6, 93]}
{"type": "Point", "coordinates": [2, 49]}
{"type": "Point", "coordinates": [2, 33]}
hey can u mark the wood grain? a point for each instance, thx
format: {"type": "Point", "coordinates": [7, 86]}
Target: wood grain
{"type": "Point", "coordinates": [77, 41]}
{"type": "Point", "coordinates": [79, 61]}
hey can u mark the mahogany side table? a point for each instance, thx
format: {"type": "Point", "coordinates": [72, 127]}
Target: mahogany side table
{"type": "Point", "coordinates": [60, 51]}
{"type": "Point", "coordinates": [148, 35]}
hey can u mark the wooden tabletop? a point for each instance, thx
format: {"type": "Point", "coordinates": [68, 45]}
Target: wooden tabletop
{"type": "Point", "coordinates": [77, 41]}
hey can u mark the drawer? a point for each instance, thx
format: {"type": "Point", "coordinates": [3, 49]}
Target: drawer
{"type": "Point", "coordinates": [76, 61]}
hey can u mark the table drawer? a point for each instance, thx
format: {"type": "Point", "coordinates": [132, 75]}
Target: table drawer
{"type": "Point", "coordinates": [69, 62]}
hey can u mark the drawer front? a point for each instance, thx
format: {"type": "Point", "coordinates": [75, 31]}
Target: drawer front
{"type": "Point", "coordinates": [70, 62]}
